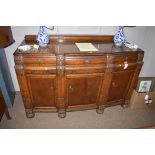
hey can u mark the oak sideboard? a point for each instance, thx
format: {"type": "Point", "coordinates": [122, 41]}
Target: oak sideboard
{"type": "Point", "coordinates": [61, 78]}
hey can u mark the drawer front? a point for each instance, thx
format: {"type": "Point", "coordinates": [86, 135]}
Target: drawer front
{"type": "Point", "coordinates": [44, 72]}
{"type": "Point", "coordinates": [35, 59]}
{"type": "Point", "coordinates": [84, 60]}
{"type": "Point", "coordinates": [84, 69]}
{"type": "Point", "coordinates": [129, 58]}
{"type": "Point", "coordinates": [39, 60]}
{"type": "Point", "coordinates": [120, 61]}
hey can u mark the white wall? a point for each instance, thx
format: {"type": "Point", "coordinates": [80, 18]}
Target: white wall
{"type": "Point", "coordinates": [142, 36]}
{"type": "Point", "coordinates": [149, 57]}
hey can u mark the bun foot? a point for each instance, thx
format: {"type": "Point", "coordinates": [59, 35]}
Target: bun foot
{"type": "Point", "coordinates": [29, 113]}
{"type": "Point", "coordinates": [61, 113]}
{"type": "Point", "coordinates": [100, 110]}
{"type": "Point", "coordinates": [125, 106]}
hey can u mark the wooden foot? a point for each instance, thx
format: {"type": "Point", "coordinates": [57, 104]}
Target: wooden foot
{"type": "Point", "coordinates": [7, 114]}
{"type": "Point", "coordinates": [29, 113]}
{"type": "Point", "coordinates": [62, 113]}
{"type": "Point", "coordinates": [100, 110]}
{"type": "Point", "coordinates": [125, 106]}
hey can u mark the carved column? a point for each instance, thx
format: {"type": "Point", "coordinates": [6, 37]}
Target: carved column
{"type": "Point", "coordinates": [134, 80]}
{"type": "Point", "coordinates": [105, 85]}
{"type": "Point", "coordinates": [23, 86]}
{"type": "Point", "coordinates": [60, 100]}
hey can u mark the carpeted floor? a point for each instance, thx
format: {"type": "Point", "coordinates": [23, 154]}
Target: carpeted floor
{"type": "Point", "coordinates": [113, 118]}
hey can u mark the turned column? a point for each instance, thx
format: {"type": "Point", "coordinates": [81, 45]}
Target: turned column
{"type": "Point", "coordinates": [134, 80]}
{"type": "Point", "coordinates": [23, 86]}
{"type": "Point", "coordinates": [60, 100]}
{"type": "Point", "coordinates": [105, 85]}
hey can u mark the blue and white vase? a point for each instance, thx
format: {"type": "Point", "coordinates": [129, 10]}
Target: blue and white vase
{"type": "Point", "coordinates": [42, 37]}
{"type": "Point", "coordinates": [119, 37]}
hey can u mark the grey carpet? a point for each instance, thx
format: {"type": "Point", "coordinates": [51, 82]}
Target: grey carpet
{"type": "Point", "coordinates": [113, 118]}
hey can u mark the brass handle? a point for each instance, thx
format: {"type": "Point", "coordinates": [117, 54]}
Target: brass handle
{"type": "Point", "coordinates": [87, 61]}
{"type": "Point", "coordinates": [45, 71]}
{"type": "Point", "coordinates": [113, 84]}
{"type": "Point", "coordinates": [73, 71]}
{"type": "Point", "coordinates": [33, 71]}
{"type": "Point", "coordinates": [125, 64]}
{"type": "Point", "coordinates": [71, 89]}
{"type": "Point", "coordinates": [97, 69]}
{"type": "Point", "coordinates": [51, 88]}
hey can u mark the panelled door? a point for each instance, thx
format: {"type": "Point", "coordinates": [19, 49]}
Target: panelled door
{"type": "Point", "coordinates": [120, 84]}
{"type": "Point", "coordinates": [42, 90]}
{"type": "Point", "coordinates": [83, 89]}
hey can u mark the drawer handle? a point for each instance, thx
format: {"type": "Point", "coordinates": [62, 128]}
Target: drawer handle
{"type": "Point", "coordinates": [33, 71]}
{"type": "Point", "coordinates": [73, 71]}
{"type": "Point", "coordinates": [45, 71]}
{"type": "Point", "coordinates": [97, 69]}
{"type": "Point", "coordinates": [87, 61]}
{"type": "Point", "coordinates": [125, 64]}
{"type": "Point", "coordinates": [71, 89]}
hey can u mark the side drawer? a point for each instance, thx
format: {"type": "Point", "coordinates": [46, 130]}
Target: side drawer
{"type": "Point", "coordinates": [120, 61]}
{"type": "Point", "coordinates": [40, 70]}
{"type": "Point", "coordinates": [44, 72]}
{"type": "Point", "coordinates": [39, 60]}
{"type": "Point", "coordinates": [33, 59]}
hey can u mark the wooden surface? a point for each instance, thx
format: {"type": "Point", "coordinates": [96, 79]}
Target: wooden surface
{"type": "Point", "coordinates": [61, 78]}
{"type": "Point", "coordinates": [6, 37]}
{"type": "Point", "coordinates": [72, 38]}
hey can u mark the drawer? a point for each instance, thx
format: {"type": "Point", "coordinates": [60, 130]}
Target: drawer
{"type": "Point", "coordinates": [44, 72]}
{"type": "Point", "coordinates": [35, 59]}
{"type": "Point", "coordinates": [84, 69]}
{"type": "Point", "coordinates": [80, 60]}
{"type": "Point", "coordinates": [39, 60]}
{"type": "Point", "coordinates": [122, 58]}
{"type": "Point", "coordinates": [120, 61]}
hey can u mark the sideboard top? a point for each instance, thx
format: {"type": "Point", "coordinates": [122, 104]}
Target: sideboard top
{"type": "Point", "coordinates": [66, 44]}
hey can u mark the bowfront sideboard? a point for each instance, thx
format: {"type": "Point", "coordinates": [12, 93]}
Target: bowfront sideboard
{"type": "Point", "coordinates": [60, 78]}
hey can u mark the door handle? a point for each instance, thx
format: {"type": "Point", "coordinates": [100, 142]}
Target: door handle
{"type": "Point", "coordinates": [113, 84]}
{"type": "Point", "coordinates": [71, 89]}
{"type": "Point", "coordinates": [51, 87]}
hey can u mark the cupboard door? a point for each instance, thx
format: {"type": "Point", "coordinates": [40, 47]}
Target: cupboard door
{"type": "Point", "coordinates": [120, 84]}
{"type": "Point", "coordinates": [83, 90]}
{"type": "Point", "coordinates": [42, 90]}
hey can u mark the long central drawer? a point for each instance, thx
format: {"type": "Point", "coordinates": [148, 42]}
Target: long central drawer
{"type": "Point", "coordinates": [84, 60]}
